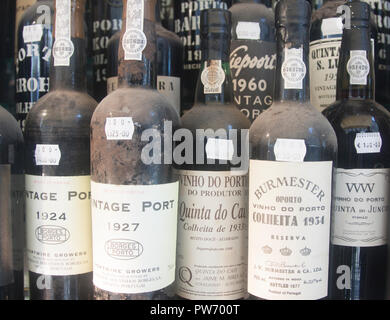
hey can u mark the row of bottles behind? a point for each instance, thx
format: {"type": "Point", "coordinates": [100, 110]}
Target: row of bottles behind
{"type": "Point", "coordinates": [135, 249]}
{"type": "Point", "coordinates": [252, 52]}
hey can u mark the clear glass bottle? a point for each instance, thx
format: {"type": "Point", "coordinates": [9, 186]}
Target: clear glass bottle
{"type": "Point", "coordinates": [358, 267]}
{"type": "Point", "coordinates": [293, 152]}
{"type": "Point", "coordinates": [134, 191]}
{"type": "Point", "coordinates": [212, 227]}
{"type": "Point", "coordinates": [57, 137]}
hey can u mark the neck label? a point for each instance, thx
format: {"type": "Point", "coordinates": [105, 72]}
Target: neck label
{"type": "Point", "coordinates": [293, 69]}
{"type": "Point", "coordinates": [63, 47]}
{"type": "Point", "coordinates": [358, 67]}
{"type": "Point", "coordinates": [134, 40]}
{"type": "Point", "coordinates": [213, 77]}
{"type": "Point", "coordinates": [332, 26]}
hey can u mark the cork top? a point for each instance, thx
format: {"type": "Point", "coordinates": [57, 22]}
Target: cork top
{"type": "Point", "coordinates": [292, 12]}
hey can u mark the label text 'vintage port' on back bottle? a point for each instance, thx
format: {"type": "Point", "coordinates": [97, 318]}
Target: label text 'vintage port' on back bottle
{"type": "Point", "coordinates": [57, 137]}
{"type": "Point", "coordinates": [293, 151]}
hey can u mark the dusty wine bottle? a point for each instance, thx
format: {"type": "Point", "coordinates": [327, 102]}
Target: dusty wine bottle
{"type": "Point", "coordinates": [11, 217]}
{"type": "Point", "coordinates": [34, 46]}
{"type": "Point", "coordinates": [106, 21]}
{"type": "Point", "coordinates": [252, 56]}
{"type": "Point", "coordinates": [212, 225]}
{"type": "Point", "coordinates": [358, 268]}
{"type": "Point", "coordinates": [58, 210]}
{"type": "Point", "coordinates": [187, 18]}
{"type": "Point", "coordinates": [293, 151]}
{"type": "Point", "coordinates": [133, 187]}
{"type": "Point", "coordinates": [169, 63]}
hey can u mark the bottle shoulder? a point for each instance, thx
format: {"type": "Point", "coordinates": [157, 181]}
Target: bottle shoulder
{"type": "Point", "coordinates": [61, 108]}
{"type": "Point", "coordinates": [147, 107]}
{"type": "Point", "coordinates": [166, 35]}
{"type": "Point", "coordinates": [215, 116]}
{"type": "Point", "coordinates": [287, 120]}
{"type": "Point", "coordinates": [10, 131]}
{"type": "Point", "coordinates": [251, 12]}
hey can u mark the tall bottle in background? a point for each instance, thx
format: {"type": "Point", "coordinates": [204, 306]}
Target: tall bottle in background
{"type": "Point", "coordinates": [361, 203]}
{"type": "Point", "coordinates": [7, 72]}
{"type": "Point", "coordinates": [212, 225]}
{"type": "Point", "coordinates": [57, 137]}
{"type": "Point", "coordinates": [34, 47]}
{"type": "Point", "coordinates": [140, 192]}
{"type": "Point", "coordinates": [169, 63]}
{"type": "Point", "coordinates": [293, 151]}
{"type": "Point", "coordinates": [187, 19]}
{"type": "Point", "coordinates": [11, 217]}
{"type": "Point", "coordinates": [167, 14]}
{"type": "Point", "coordinates": [381, 12]}
{"type": "Point", "coordinates": [252, 56]}
{"type": "Point", "coordinates": [325, 42]}
{"type": "Point", "coordinates": [21, 7]}
{"type": "Point", "coordinates": [106, 21]}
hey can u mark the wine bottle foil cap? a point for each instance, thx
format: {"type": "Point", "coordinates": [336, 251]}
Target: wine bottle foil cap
{"type": "Point", "coordinates": [215, 21]}
{"type": "Point", "coordinates": [360, 13]}
{"type": "Point", "coordinates": [292, 12]}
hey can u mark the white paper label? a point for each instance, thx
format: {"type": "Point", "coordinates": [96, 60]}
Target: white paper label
{"type": "Point", "coordinates": [332, 26]}
{"type": "Point", "coordinates": [293, 69]}
{"type": "Point", "coordinates": [134, 40]}
{"type": "Point", "coordinates": [134, 236]}
{"type": "Point", "coordinates": [293, 150]}
{"type": "Point", "coordinates": [368, 142]}
{"type": "Point", "coordinates": [170, 88]}
{"type": "Point", "coordinates": [361, 207]}
{"type": "Point", "coordinates": [289, 229]}
{"type": "Point", "coordinates": [112, 84]}
{"type": "Point", "coordinates": [58, 224]}
{"type": "Point", "coordinates": [119, 128]}
{"type": "Point", "coordinates": [248, 30]}
{"type": "Point", "coordinates": [32, 33]}
{"type": "Point", "coordinates": [213, 77]}
{"type": "Point", "coordinates": [47, 155]}
{"type": "Point", "coordinates": [212, 235]}
{"type": "Point", "coordinates": [323, 61]}
{"type": "Point", "coordinates": [219, 149]}
{"type": "Point", "coordinates": [358, 67]}
{"type": "Point", "coordinates": [63, 47]}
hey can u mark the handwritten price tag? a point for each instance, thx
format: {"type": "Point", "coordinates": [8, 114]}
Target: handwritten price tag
{"type": "Point", "coordinates": [368, 142]}
{"type": "Point", "coordinates": [47, 155]}
{"type": "Point", "coordinates": [119, 128]}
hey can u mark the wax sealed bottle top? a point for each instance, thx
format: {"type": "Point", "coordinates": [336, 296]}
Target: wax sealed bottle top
{"type": "Point", "coordinates": [359, 14]}
{"type": "Point", "coordinates": [215, 21]}
{"type": "Point", "coordinates": [292, 12]}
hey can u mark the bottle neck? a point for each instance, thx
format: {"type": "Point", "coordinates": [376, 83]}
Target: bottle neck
{"type": "Point", "coordinates": [292, 81]}
{"type": "Point", "coordinates": [214, 82]}
{"type": "Point", "coordinates": [68, 63]}
{"type": "Point", "coordinates": [137, 54]}
{"type": "Point", "coordinates": [355, 75]}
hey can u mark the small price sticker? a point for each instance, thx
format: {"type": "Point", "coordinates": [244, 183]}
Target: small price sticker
{"type": "Point", "coordinates": [47, 154]}
{"type": "Point", "coordinates": [368, 142]}
{"type": "Point", "coordinates": [119, 128]}
{"type": "Point", "coordinates": [32, 33]}
{"type": "Point", "coordinates": [219, 149]}
{"type": "Point", "coordinates": [291, 150]}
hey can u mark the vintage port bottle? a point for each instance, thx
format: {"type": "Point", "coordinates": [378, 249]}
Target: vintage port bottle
{"type": "Point", "coordinates": [134, 191]}
{"type": "Point", "coordinates": [293, 151]}
{"type": "Point", "coordinates": [57, 138]}
{"type": "Point", "coordinates": [11, 212]}
{"type": "Point", "coordinates": [361, 203]}
{"type": "Point", "coordinates": [213, 180]}
{"type": "Point", "coordinates": [34, 46]}
{"type": "Point", "coordinates": [21, 7]}
{"type": "Point", "coordinates": [252, 56]}
{"type": "Point", "coordinates": [169, 63]}
{"type": "Point", "coordinates": [381, 11]}
{"type": "Point", "coordinates": [106, 21]}
{"type": "Point", "coordinates": [187, 18]}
